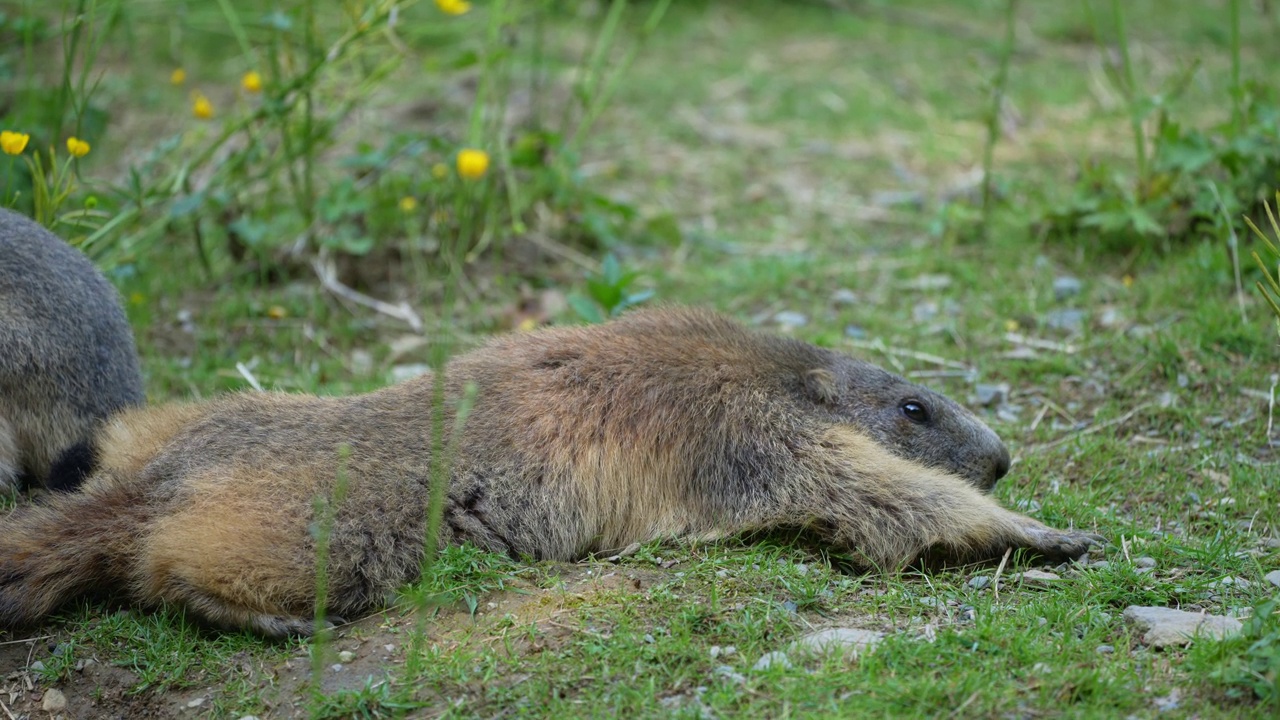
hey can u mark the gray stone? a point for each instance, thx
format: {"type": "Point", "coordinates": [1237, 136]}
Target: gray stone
{"type": "Point", "coordinates": [1144, 562]}
{"type": "Point", "coordinates": [1273, 577]}
{"type": "Point", "coordinates": [54, 701]}
{"type": "Point", "coordinates": [1067, 319]}
{"type": "Point", "coordinates": [771, 659]}
{"type": "Point", "coordinates": [991, 394]}
{"type": "Point", "coordinates": [848, 641]}
{"type": "Point", "coordinates": [728, 673]}
{"type": "Point", "coordinates": [1037, 577]}
{"type": "Point", "coordinates": [1066, 286]}
{"type": "Point", "coordinates": [855, 332]}
{"type": "Point", "coordinates": [1161, 627]}
{"type": "Point", "coordinates": [844, 296]}
{"type": "Point", "coordinates": [789, 319]}
{"type": "Point", "coordinates": [1105, 649]}
{"type": "Point", "coordinates": [346, 656]}
{"type": "Point", "coordinates": [980, 582]}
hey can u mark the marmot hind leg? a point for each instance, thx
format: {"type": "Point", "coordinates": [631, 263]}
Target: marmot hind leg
{"type": "Point", "coordinates": [233, 557]}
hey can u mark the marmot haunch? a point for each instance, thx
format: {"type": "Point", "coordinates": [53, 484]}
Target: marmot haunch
{"type": "Point", "coordinates": [67, 358]}
{"type": "Point", "coordinates": [662, 424]}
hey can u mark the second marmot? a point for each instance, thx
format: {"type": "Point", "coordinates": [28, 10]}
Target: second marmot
{"type": "Point", "coordinates": [665, 423]}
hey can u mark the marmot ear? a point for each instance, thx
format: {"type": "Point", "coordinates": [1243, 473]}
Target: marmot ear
{"type": "Point", "coordinates": [821, 385]}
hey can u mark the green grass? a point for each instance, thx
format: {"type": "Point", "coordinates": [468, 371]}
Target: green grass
{"type": "Point", "coordinates": [807, 113]}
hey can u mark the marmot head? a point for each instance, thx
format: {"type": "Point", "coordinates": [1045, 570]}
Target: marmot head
{"type": "Point", "coordinates": [913, 421]}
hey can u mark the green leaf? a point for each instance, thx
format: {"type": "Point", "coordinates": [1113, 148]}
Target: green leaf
{"type": "Point", "coordinates": [585, 308]}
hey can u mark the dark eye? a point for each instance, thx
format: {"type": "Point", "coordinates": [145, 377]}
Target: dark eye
{"type": "Point", "coordinates": [915, 411]}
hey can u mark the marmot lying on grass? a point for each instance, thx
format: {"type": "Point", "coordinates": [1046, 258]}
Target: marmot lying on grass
{"type": "Point", "coordinates": [665, 423]}
{"type": "Point", "coordinates": [67, 359]}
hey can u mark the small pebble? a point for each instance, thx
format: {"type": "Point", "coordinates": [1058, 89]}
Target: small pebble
{"type": "Point", "coordinates": [1273, 577]}
{"type": "Point", "coordinates": [1065, 286]}
{"type": "Point", "coordinates": [648, 639]}
{"type": "Point", "coordinates": [36, 666]}
{"type": "Point", "coordinates": [728, 673]}
{"type": "Point", "coordinates": [195, 703]}
{"type": "Point", "coordinates": [790, 606]}
{"type": "Point", "coordinates": [1067, 319]}
{"type": "Point", "coordinates": [1100, 565]}
{"type": "Point", "coordinates": [980, 582]}
{"type": "Point", "coordinates": [802, 569]}
{"type": "Point", "coordinates": [855, 332]}
{"type": "Point", "coordinates": [53, 701]}
{"type": "Point", "coordinates": [718, 652]}
{"type": "Point", "coordinates": [346, 656]}
{"type": "Point", "coordinates": [770, 659]}
{"type": "Point", "coordinates": [789, 319]}
{"type": "Point", "coordinates": [1105, 649]}
{"type": "Point", "coordinates": [389, 647]}
{"type": "Point", "coordinates": [844, 296]}
{"type": "Point", "coordinates": [988, 394]}
{"type": "Point", "coordinates": [336, 667]}
{"type": "Point", "coordinates": [1144, 562]}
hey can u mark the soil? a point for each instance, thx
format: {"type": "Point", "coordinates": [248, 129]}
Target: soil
{"type": "Point", "coordinates": [101, 690]}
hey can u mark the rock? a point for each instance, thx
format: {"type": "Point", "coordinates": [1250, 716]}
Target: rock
{"type": "Point", "coordinates": [991, 394]}
{"type": "Point", "coordinates": [855, 332]}
{"type": "Point", "coordinates": [924, 311]}
{"type": "Point", "coordinates": [1100, 565]}
{"type": "Point", "coordinates": [1230, 581]}
{"type": "Point", "coordinates": [928, 282]}
{"type": "Point", "coordinates": [1105, 649]}
{"type": "Point", "coordinates": [1037, 577]}
{"type": "Point", "coordinates": [195, 702]}
{"type": "Point", "coordinates": [789, 319]}
{"type": "Point", "coordinates": [1065, 286]}
{"type": "Point", "coordinates": [400, 373]}
{"type": "Point", "coordinates": [1144, 562]}
{"type": "Point", "coordinates": [1067, 319]}
{"type": "Point", "coordinates": [36, 666]}
{"type": "Point", "coordinates": [729, 673]}
{"type": "Point", "coordinates": [1111, 318]}
{"type": "Point", "coordinates": [1161, 627]}
{"type": "Point", "coordinates": [980, 582]}
{"type": "Point", "coordinates": [54, 701]}
{"type": "Point", "coordinates": [849, 641]}
{"type": "Point", "coordinates": [346, 656]}
{"type": "Point", "coordinates": [726, 651]}
{"type": "Point", "coordinates": [790, 606]}
{"type": "Point", "coordinates": [336, 667]}
{"type": "Point", "coordinates": [844, 296]}
{"type": "Point", "coordinates": [771, 659]}
{"type": "Point", "coordinates": [1273, 577]}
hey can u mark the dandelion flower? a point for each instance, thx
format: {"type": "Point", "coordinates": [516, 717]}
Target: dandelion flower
{"type": "Point", "coordinates": [77, 147]}
{"type": "Point", "coordinates": [408, 204]}
{"type": "Point", "coordinates": [1127, 280]}
{"type": "Point", "coordinates": [439, 171]}
{"type": "Point", "coordinates": [178, 76]}
{"type": "Point", "coordinates": [13, 143]}
{"type": "Point", "coordinates": [453, 7]}
{"type": "Point", "coordinates": [137, 298]}
{"type": "Point", "coordinates": [201, 107]}
{"type": "Point", "coordinates": [251, 82]}
{"type": "Point", "coordinates": [276, 312]}
{"type": "Point", "coordinates": [1011, 326]}
{"type": "Point", "coordinates": [472, 164]}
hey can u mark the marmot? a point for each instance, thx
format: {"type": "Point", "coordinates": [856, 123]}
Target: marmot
{"type": "Point", "coordinates": [67, 358]}
{"type": "Point", "coordinates": [662, 424]}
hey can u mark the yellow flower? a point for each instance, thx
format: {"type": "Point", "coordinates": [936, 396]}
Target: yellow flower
{"type": "Point", "coordinates": [201, 107]}
{"type": "Point", "coordinates": [408, 204]}
{"type": "Point", "coordinates": [1127, 280]}
{"type": "Point", "coordinates": [77, 147]}
{"type": "Point", "coordinates": [439, 171]}
{"type": "Point", "coordinates": [453, 7]}
{"type": "Point", "coordinates": [472, 164]}
{"type": "Point", "coordinates": [13, 143]}
{"type": "Point", "coordinates": [251, 82]}
{"type": "Point", "coordinates": [137, 298]}
{"type": "Point", "coordinates": [177, 77]}
{"type": "Point", "coordinates": [1011, 325]}
{"type": "Point", "coordinates": [276, 312]}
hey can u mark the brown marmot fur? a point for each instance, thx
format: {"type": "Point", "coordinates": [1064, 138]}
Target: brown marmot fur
{"type": "Point", "coordinates": [67, 358]}
{"type": "Point", "coordinates": [665, 423]}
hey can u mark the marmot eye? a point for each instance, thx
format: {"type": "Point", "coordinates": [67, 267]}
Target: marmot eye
{"type": "Point", "coordinates": [915, 411]}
